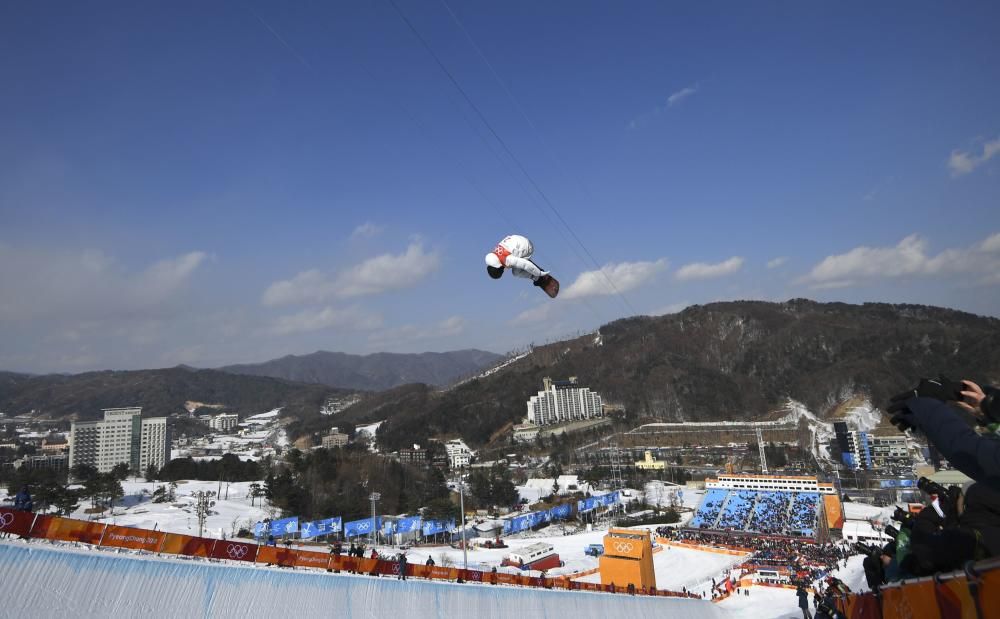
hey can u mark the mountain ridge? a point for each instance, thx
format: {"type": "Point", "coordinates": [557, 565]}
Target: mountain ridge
{"type": "Point", "coordinates": [372, 372]}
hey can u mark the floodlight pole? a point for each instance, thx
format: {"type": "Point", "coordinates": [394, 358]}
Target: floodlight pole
{"type": "Point", "coordinates": [374, 496]}
{"type": "Point", "coordinates": [461, 503]}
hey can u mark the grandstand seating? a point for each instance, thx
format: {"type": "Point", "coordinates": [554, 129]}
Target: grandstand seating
{"type": "Point", "coordinates": [737, 511]}
{"type": "Point", "coordinates": [802, 518]}
{"type": "Point", "coordinates": [771, 513]}
{"type": "Point", "coordinates": [769, 516]}
{"type": "Point", "coordinates": [708, 512]}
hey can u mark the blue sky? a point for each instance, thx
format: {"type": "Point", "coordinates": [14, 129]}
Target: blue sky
{"type": "Point", "coordinates": [182, 183]}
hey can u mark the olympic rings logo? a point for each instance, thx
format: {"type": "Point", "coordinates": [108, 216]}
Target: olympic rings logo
{"type": "Point", "coordinates": [236, 552]}
{"type": "Point", "coordinates": [6, 520]}
{"type": "Point", "coordinates": [364, 526]}
{"type": "Point", "coordinates": [623, 546]}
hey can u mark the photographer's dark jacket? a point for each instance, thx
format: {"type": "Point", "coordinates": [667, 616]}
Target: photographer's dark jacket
{"type": "Point", "coordinates": [976, 456]}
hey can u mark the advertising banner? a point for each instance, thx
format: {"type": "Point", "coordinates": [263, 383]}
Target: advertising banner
{"type": "Point", "coordinates": [433, 527]}
{"type": "Point", "coordinates": [260, 529]}
{"type": "Point", "coordinates": [317, 528]}
{"type": "Point", "coordinates": [586, 505]}
{"type": "Point", "coordinates": [304, 558]}
{"type": "Point", "coordinates": [235, 551]}
{"type": "Point", "coordinates": [408, 525]}
{"type": "Point", "coordinates": [515, 525]}
{"type": "Point", "coordinates": [177, 544]}
{"type": "Point", "coordinates": [285, 525]}
{"type": "Point", "coordinates": [272, 555]}
{"type": "Point", "coordinates": [561, 512]}
{"type": "Point", "coordinates": [361, 527]}
{"type": "Point", "coordinates": [69, 530]}
{"type": "Point", "coordinates": [18, 523]}
{"type": "Point", "coordinates": [130, 537]}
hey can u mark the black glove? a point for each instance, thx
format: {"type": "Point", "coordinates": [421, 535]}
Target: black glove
{"type": "Point", "coordinates": [903, 419]}
{"type": "Point", "coordinates": [941, 388]}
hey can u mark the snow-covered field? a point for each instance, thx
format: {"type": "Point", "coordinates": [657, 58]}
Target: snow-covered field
{"type": "Point", "coordinates": [231, 512]}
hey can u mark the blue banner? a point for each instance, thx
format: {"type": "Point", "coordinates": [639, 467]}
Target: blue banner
{"type": "Point", "coordinates": [432, 527]}
{"type": "Point", "coordinates": [587, 505]}
{"type": "Point", "coordinates": [260, 530]}
{"type": "Point", "coordinates": [897, 483]}
{"type": "Point", "coordinates": [408, 525]}
{"type": "Point", "coordinates": [388, 527]}
{"type": "Point", "coordinates": [361, 527]}
{"type": "Point", "coordinates": [285, 525]}
{"type": "Point", "coordinates": [561, 512]}
{"type": "Point", "coordinates": [320, 527]}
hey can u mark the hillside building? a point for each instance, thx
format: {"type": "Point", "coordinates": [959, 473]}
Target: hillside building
{"type": "Point", "coordinates": [122, 436]}
{"type": "Point", "coordinates": [563, 401]}
{"type": "Point", "coordinates": [334, 438]}
{"type": "Point", "coordinates": [459, 454]}
{"type": "Point", "coordinates": [224, 422]}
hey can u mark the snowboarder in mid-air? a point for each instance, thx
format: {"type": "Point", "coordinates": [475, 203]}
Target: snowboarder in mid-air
{"type": "Point", "coordinates": [514, 252]}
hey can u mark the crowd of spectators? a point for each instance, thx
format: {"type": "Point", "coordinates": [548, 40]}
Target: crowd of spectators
{"type": "Point", "coordinates": [764, 512]}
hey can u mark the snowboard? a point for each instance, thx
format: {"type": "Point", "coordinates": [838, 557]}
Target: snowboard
{"type": "Point", "coordinates": [550, 285]}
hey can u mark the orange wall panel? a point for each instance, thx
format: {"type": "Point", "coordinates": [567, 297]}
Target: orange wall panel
{"type": "Point", "coordinates": [131, 537]}
{"type": "Point", "coordinates": [177, 544]}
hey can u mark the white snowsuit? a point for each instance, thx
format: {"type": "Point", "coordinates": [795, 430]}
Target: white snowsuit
{"type": "Point", "coordinates": [514, 252]}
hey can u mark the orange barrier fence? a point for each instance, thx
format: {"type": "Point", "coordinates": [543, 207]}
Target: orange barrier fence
{"type": "Point", "coordinates": [130, 537]}
{"type": "Point", "coordinates": [973, 593]}
{"type": "Point", "coordinates": [177, 544]}
{"type": "Point", "coordinates": [56, 528]}
{"type": "Point", "coordinates": [722, 549]}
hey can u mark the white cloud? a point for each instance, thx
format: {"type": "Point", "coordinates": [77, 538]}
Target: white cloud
{"type": "Point", "coordinates": [307, 287]}
{"type": "Point", "coordinates": [704, 270]}
{"type": "Point", "coordinates": [366, 231]}
{"type": "Point", "coordinates": [680, 95]}
{"type": "Point", "coordinates": [776, 262]}
{"type": "Point", "coordinates": [613, 279]}
{"type": "Point", "coordinates": [388, 272]}
{"type": "Point", "coordinates": [77, 286]}
{"type": "Point", "coordinates": [325, 318]}
{"type": "Point", "coordinates": [961, 163]}
{"type": "Point", "coordinates": [373, 276]}
{"type": "Point", "coordinates": [907, 258]}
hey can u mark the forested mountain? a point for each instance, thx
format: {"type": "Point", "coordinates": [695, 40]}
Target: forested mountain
{"type": "Point", "coordinates": [735, 360]}
{"type": "Point", "coordinates": [158, 392]}
{"type": "Point", "coordinates": [374, 372]}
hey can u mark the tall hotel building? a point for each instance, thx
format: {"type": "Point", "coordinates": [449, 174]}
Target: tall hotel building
{"type": "Point", "coordinates": [561, 401]}
{"type": "Point", "coordinates": [123, 436]}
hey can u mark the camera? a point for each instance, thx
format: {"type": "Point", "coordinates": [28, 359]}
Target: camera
{"type": "Point", "coordinates": [865, 549]}
{"type": "Point", "coordinates": [931, 487]}
{"type": "Point", "coordinates": [891, 531]}
{"type": "Point", "coordinates": [903, 517]}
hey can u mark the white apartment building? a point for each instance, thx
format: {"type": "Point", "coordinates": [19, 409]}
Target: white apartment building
{"type": "Point", "coordinates": [224, 422]}
{"type": "Point", "coordinates": [459, 454]}
{"type": "Point", "coordinates": [563, 401]}
{"type": "Point", "coordinates": [123, 436]}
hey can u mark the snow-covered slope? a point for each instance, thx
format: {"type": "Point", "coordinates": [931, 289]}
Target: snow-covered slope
{"type": "Point", "coordinates": [46, 581]}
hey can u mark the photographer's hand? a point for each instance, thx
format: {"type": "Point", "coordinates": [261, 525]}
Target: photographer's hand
{"type": "Point", "coordinates": [973, 397]}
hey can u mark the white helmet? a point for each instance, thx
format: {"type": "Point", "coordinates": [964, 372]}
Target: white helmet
{"type": "Point", "coordinates": [493, 260]}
